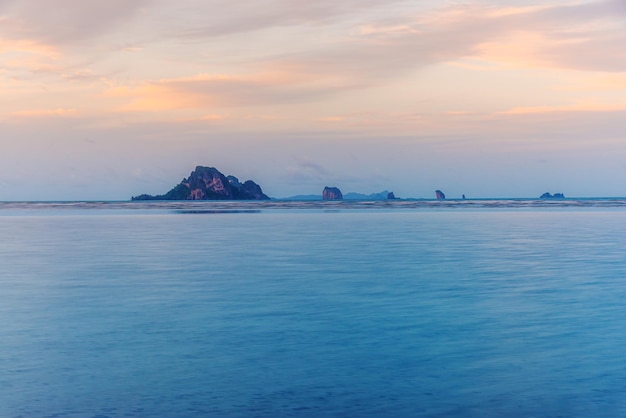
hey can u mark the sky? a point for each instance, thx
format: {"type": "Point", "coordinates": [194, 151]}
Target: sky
{"type": "Point", "coordinates": [104, 100]}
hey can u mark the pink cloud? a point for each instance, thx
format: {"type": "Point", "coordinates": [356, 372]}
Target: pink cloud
{"type": "Point", "coordinates": [62, 21]}
{"type": "Point", "coordinates": [233, 18]}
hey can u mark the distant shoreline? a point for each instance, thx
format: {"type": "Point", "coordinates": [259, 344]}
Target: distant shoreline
{"type": "Point", "coordinates": [231, 206]}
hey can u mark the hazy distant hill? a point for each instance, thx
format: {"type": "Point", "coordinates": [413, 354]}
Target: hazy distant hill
{"type": "Point", "coordinates": [359, 196]}
{"type": "Point", "coordinates": [348, 196]}
{"type": "Point", "coordinates": [303, 197]}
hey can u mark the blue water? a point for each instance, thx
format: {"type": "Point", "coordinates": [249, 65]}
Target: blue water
{"type": "Point", "coordinates": [213, 310]}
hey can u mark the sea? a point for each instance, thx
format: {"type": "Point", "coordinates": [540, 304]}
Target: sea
{"type": "Point", "coordinates": [477, 308]}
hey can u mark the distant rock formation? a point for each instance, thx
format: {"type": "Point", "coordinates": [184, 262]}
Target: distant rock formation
{"type": "Point", "coordinates": [391, 196]}
{"type": "Point", "coordinates": [207, 183]}
{"type": "Point", "coordinates": [547, 195]}
{"type": "Point", "coordinates": [332, 193]}
{"type": "Point", "coordinates": [249, 190]}
{"type": "Point", "coordinates": [440, 195]}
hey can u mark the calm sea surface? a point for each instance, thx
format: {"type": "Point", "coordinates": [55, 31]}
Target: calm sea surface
{"type": "Point", "coordinates": [243, 310]}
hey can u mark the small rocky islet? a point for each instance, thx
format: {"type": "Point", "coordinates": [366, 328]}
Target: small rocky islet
{"type": "Point", "coordinates": [547, 195]}
{"type": "Point", "coordinates": [332, 193]}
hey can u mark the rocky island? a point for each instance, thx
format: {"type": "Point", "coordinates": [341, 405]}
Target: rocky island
{"type": "Point", "coordinates": [207, 183]}
{"type": "Point", "coordinates": [332, 193]}
{"type": "Point", "coordinates": [552, 196]}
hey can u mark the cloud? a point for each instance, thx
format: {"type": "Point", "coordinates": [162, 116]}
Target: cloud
{"type": "Point", "coordinates": [603, 53]}
{"type": "Point", "coordinates": [214, 117]}
{"type": "Point", "coordinates": [363, 40]}
{"type": "Point", "coordinates": [589, 106]}
{"type": "Point", "coordinates": [307, 171]}
{"type": "Point", "coordinates": [580, 36]}
{"type": "Point", "coordinates": [27, 46]}
{"type": "Point", "coordinates": [585, 36]}
{"type": "Point", "coordinates": [595, 82]}
{"type": "Point", "coordinates": [366, 37]}
{"type": "Point", "coordinates": [45, 113]}
{"type": "Point", "coordinates": [63, 21]}
{"type": "Point", "coordinates": [222, 90]}
{"type": "Point", "coordinates": [337, 63]}
{"type": "Point", "coordinates": [263, 14]}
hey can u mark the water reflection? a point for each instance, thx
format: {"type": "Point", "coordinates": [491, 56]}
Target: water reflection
{"type": "Point", "coordinates": [211, 207]}
{"type": "Point", "coordinates": [214, 211]}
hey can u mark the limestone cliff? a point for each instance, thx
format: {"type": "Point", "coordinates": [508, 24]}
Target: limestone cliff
{"type": "Point", "coordinates": [332, 193]}
{"type": "Point", "coordinates": [207, 183]}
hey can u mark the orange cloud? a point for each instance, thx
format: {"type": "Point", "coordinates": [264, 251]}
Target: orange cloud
{"type": "Point", "coordinates": [28, 46]}
{"type": "Point", "coordinates": [594, 82]}
{"type": "Point", "coordinates": [210, 91]}
{"type": "Point", "coordinates": [150, 98]}
{"type": "Point", "coordinates": [171, 94]}
{"type": "Point", "coordinates": [215, 117]}
{"type": "Point", "coordinates": [518, 49]}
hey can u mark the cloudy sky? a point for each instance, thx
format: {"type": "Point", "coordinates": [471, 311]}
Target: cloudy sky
{"type": "Point", "coordinates": [109, 99]}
